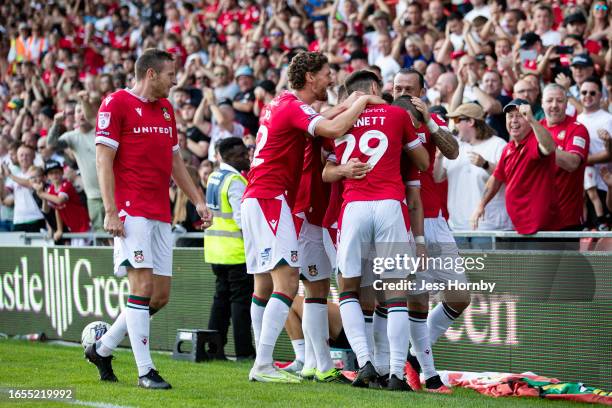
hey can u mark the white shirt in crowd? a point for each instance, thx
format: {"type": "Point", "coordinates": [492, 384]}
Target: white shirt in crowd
{"type": "Point", "coordinates": [466, 184]}
{"type": "Point", "coordinates": [593, 122]}
{"type": "Point", "coordinates": [551, 38]}
{"type": "Point", "coordinates": [388, 67]}
{"type": "Point", "coordinates": [484, 11]}
{"type": "Point", "coordinates": [25, 210]}
{"type": "Point", "coordinates": [218, 133]}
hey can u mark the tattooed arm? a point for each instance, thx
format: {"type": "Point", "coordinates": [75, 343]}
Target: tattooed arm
{"type": "Point", "coordinates": [444, 139]}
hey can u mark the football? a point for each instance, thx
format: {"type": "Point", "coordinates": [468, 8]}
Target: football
{"type": "Point", "coordinates": [92, 332]}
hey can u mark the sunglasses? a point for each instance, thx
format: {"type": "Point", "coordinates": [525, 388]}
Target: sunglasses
{"type": "Point", "coordinates": [460, 119]}
{"type": "Point", "coordinates": [601, 7]}
{"type": "Point", "coordinates": [219, 74]}
{"type": "Point", "coordinates": [276, 34]}
{"type": "Point", "coordinates": [590, 93]}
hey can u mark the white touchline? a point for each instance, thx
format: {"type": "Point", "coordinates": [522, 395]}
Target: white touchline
{"type": "Point", "coordinates": [92, 404]}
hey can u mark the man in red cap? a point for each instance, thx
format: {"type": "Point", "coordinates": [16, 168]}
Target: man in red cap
{"type": "Point", "coordinates": [527, 167]}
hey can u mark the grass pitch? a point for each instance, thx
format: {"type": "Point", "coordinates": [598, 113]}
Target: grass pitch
{"type": "Point", "coordinates": [216, 384]}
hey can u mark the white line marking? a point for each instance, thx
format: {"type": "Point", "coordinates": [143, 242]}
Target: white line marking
{"type": "Point", "coordinates": [94, 404]}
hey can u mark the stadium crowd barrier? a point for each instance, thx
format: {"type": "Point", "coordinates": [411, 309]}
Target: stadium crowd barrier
{"type": "Point", "coordinates": [549, 312]}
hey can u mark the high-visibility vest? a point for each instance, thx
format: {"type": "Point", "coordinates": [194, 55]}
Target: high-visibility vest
{"type": "Point", "coordinates": [223, 242]}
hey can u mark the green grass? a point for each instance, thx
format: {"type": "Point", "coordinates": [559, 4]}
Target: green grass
{"type": "Point", "coordinates": [215, 384]}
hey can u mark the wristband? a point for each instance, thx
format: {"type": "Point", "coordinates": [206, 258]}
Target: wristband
{"type": "Point", "coordinates": [485, 166]}
{"type": "Point", "coordinates": [433, 126]}
{"type": "Point", "coordinates": [419, 239]}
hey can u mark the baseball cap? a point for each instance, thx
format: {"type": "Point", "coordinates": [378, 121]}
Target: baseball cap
{"type": "Point", "coordinates": [52, 165]}
{"type": "Point", "coordinates": [468, 110]}
{"type": "Point", "coordinates": [582, 60]}
{"type": "Point", "coordinates": [575, 18]}
{"type": "Point", "coordinates": [244, 70]}
{"type": "Point", "coordinates": [268, 86]}
{"type": "Point", "coordinates": [15, 103]}
{"type": "Point", "coordinates": [47, 111]}
{"type": "Point", "coordinates": [515, 103]}
{"type": "Point", "coordinates": [529, 39]}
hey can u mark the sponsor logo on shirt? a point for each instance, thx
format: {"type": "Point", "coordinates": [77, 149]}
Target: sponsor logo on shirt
{"type": "Point", "coordinates": [579, 141]}
{"type": "Point", "coordinates": [104, 120]}
{"type": "Point", "coordinates": [153, 129]}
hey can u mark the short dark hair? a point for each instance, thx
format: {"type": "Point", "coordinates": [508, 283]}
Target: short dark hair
{"type": "Point", "coordinates": [594, 80]}
{"type": "Point", "coordinates": [412, 71]}
{"type": "Point", "coordinates": [455, 15]}
{"type": "Point", "coordinates": [417, 5]}
{"type": "Point", "coordinates": [546, 8]}
{"type": "Point", "coordinates": [151, 58]}
{"type": "Point", "coordinates": [361, 81]}
{"type": "Point", "coordinates": [405, 102]}
{"type": "Point", "coordinates": [229, 145]}
{"type": "Point", "coordinates": [301, 64]}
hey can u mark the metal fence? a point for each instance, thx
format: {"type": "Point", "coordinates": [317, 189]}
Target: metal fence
{"type": "Point", "coordinates": [496, 237]}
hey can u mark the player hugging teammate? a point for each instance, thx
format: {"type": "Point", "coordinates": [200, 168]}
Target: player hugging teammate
{"type": "Point", "coordinates": [378, 158]}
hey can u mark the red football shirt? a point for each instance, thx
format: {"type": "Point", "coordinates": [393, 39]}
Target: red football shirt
{"type": "Point", "coordinates": [571, 137]}
{"type": "Point", "coordinates": [531, 196]}
{"type": "Point", "coordinates": [330, 220]}
{"type": "Point", "coordinates": [434, 201]}
{"type": "Point", "coordinates": [279, 154]}
{"type": "Point", "coordinates": [313, 194]}
{"type": "Point", "coordinates": [73, 213]}
{"type": "Point", "coordinates": [378, 138]}
{"type": "Point", "coordinates": [144, 135]}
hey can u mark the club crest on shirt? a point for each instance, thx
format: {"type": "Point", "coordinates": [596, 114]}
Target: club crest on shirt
{"type": "Point", "coordinates": [104, 119]}
{"type": "Point", "coordinates": [294, 256]}
{"type": "Point", "coordinates": [138, 256]}
{"type": "Point", "coordinates": [166, 114]}
{"type": "Point", "coordinates": [312, 270]}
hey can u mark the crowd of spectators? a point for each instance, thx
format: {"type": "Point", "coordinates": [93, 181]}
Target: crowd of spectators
{"type": "Point", "coordinates": [59, 59]}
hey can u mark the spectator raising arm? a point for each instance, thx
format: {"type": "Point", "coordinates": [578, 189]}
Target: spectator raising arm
{"type": "Point", "coordinates": [546, 144]}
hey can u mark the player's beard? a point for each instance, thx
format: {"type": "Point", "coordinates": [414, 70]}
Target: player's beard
{"type": "Point", "coordinates": [321, 95]}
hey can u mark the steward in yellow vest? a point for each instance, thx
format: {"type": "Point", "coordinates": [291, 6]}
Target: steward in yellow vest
{"type": "Point", "coordinates": [224, 248]}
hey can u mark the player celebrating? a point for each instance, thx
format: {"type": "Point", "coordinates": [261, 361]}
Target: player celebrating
{"type": "Point", "coordinates": [374, 212]}
{"type": "Point", "coordinates": [315, 272]}
{"type": "Point", "coordinates": [137, 152]}
{"type": "Point", "coordinates": [426, 328]}
{"type": "Point", "coordinates": [270, 239]}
